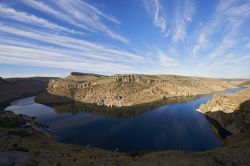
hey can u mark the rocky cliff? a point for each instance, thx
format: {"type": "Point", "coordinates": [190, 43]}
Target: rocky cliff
{"type": "Point", "coordinates": [232, 111]}
{"type": "Point", "coordinates": [128, 90]}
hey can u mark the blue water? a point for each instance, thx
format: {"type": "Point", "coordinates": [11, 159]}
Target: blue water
{"type": "Point", "coordinates": [174, 126]}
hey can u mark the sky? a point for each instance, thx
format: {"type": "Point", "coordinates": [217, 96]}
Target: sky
{"type": "Point", "coordinates": [207, 38]}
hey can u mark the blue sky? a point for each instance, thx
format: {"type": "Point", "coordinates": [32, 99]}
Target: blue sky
{"type": "Point", "coordinates": [209, 38]}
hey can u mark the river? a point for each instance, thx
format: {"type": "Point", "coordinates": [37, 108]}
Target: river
{"type": "Point", "coordinates": [175, 126]}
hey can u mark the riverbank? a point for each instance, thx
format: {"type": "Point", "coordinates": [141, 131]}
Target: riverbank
{"type": "Point", "coordinates": [38, 148]}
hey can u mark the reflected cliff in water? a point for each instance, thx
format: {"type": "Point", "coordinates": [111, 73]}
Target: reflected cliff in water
{"type": "Point", "coordinates": [125, 111]}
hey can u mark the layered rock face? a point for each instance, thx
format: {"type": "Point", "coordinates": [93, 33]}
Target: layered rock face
{"type": "Point", "coordinates": [232, 111]}
{"type": "Point", "coordinates": [128, 90]}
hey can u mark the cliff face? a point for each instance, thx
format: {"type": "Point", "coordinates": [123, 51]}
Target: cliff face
{"type": "Point", "coordinates": [128, 90]}
{"type": "Point", "coordinates": [232, 111]}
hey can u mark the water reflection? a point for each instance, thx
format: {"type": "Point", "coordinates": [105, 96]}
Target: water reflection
{"type": "Point", "coordinates": [173, 126]}
{"type": "Point", "coordinates": [126, 111]}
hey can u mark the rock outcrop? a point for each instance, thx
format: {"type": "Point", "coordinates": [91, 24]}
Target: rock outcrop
{"type": "Point", "coordinates": [129, 90]}
{"type": "Point", "coordinates": [232, 111]}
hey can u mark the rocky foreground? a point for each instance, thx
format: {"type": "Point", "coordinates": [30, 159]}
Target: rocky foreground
{"type": "Point", "coordinates": [232, 111]}
{"type": "Point", "coordinates": [128, 90]}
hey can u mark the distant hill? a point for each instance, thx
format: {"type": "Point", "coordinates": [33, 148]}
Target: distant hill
{"type": "Point", "coordinates": [246, 83]}
{"type": "Point", "coordinates": [77, 76]}
{"type": "Point", "coordinates": [13, 88]}
{"type": "Point", "coordinates": [85, 74]}
{"type": "Point", "coordinates": [237, 82]}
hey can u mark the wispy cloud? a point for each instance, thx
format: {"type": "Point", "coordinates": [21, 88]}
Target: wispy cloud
{"type": "Point", "coordinates": [30, 19]}
{"type": "Point", "coordinates": [248, 45]}
{"type": "Point", "coordinates": [35, 41]}
{"type": "Point", "coordinates": [156, 12]}
{"type": "Point", "coordinates": [229, 65]}
{"type": "Point", "coordinates": [85, 48]}
{"type": "Point", "coordinates": [226, 22]}
{"type": "Point", "coordinates": [18, 52]}
{"type": "Point", "coordinates": [184, 15]}
{"type": "Point", "coordinates": [38, 57]}
{"type": "Point", "coordinates": [81, 14]}
{"type": "Point", "coordinates": [41, 6]}
{"type": "Point", "coordinates": [89, 36]}
{"type": "Point", "coordinates": [166, 60]}
{"type": "Point", "coordinates": [86, 14]}
{"type": "Point", "coordinates": [95, 10]}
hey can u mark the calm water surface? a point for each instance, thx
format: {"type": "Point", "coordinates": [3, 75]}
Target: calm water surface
{"type": "Point", "coordinates": [173, 126]}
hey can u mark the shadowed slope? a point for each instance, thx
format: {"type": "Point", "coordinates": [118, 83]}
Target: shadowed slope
{"type": "Point", "coordinates": [13, 88]}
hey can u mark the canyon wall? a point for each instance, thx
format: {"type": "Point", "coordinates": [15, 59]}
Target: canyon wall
{"type": "Point", "coordinates": [232, 111]}
{"type": "Point", "coordinates": [128, 90]}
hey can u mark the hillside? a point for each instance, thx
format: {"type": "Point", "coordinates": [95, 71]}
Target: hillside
{"type": "Point", "coordinates": [12, 88]}
{"type": "Point", "coordinates": [129, 90]}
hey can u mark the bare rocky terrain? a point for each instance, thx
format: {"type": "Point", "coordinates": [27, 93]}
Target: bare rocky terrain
{"type": "Point", "coordinates": [129, 90]}
{"type": "Point", "coordinates": [232, 111]}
